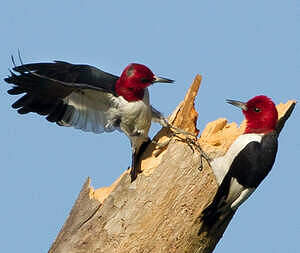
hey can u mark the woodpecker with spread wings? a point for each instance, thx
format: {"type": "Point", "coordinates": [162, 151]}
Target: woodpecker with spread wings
{"type": "Point", "coordinates": [90, 99]}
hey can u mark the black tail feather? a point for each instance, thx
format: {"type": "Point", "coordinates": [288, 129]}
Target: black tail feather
{"type": "Point", "coordinates": [135, 170]}
{"type": "Point", "coordinates": [213, 220]}
{"type": "Point", "coordinates": [211, 216]}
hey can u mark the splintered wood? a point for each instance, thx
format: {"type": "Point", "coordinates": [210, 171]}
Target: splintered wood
{"type": "Point", "coordinates": [159, 212]}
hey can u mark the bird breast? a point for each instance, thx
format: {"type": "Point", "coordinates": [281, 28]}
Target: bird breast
{"type": "Point", "coordinates": [136, 116]}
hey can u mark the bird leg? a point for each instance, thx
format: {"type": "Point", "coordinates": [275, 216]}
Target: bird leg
{"type": "Point", "coordinates": [176, 131]}
{"type": "Point", "coordinates": [190, 139]}
{"type": "Point", "coordinates": [203, 155]}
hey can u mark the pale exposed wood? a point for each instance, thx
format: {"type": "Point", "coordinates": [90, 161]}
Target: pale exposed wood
{"type": "Point", "coordinates": [159, 212]}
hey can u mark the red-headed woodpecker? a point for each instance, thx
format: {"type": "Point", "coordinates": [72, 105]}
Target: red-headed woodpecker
{"type": "Point", "coordinates": [247, 162]}
{"type": "Point", "coordinates": [90, 99]}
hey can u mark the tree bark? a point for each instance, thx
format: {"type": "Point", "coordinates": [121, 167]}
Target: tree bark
{"type": "Point", "coordinates": [160, 211]}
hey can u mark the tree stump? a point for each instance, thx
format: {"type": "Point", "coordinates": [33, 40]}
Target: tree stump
{"type": "Point", "coordinates": [160, 211]}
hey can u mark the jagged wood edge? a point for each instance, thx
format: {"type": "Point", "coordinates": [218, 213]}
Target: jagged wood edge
{"type": "Point", "coordinates": [86, 206]}
{"type": "Point", "coordinates": [211, 238]}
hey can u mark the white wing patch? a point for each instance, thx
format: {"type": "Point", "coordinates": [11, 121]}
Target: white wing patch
{"type": "Point", "coordinates": [238, 194]}
{"type": "Point", "coordinates": [222, 164]}
{"type": "Point", "coordinates": [91, 111]}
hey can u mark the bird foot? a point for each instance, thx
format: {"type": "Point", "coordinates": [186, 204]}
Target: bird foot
{"type": "Point", "coordinates": [176, 131]}
{"type": "Point", "coordinates": [191, 140]}
{"type": "Point", "coordinates": [203, 155]}
{"type": "Point", "coordinates": [188, 138]}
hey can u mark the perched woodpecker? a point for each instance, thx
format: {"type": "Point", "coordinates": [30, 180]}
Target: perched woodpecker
{"type": "Point", "coordinates": [247, 162]}
{"type": "Point", "coordinates": [90, 99]}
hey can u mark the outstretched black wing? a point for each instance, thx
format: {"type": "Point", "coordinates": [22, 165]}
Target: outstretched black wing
{"type": "Point", "coordinates": [78, 75]}
{"type": "Point", "coordinates": [69, 94]}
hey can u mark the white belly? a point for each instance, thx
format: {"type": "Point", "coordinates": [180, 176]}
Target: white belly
{"type": "Point", "coordinates": [135, 118]}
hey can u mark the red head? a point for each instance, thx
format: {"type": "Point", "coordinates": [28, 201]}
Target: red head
{"type": "Point", "coordinates": [133, 81]}
{"type": "Point", "coordinates": [260, 113]}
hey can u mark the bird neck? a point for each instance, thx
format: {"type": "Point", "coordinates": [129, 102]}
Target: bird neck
{"type": "Point", "coordinates": [258, 127]}
{"type": "Point", "coordinates": [250, 130]}
{"type": "Point", "coordinates": [128, 92]}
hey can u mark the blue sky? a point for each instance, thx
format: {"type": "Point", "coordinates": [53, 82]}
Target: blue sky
{"type": "Point", "coordinates": [241, 48]}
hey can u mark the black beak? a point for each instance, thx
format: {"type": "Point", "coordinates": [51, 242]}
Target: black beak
{"type": "Point", "coordinates": [239, 104]}
{"type": "Point", "coordinates": [158, 79]}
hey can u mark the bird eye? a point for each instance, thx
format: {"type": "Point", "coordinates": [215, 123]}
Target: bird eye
{"type": "Point", "coordinates": [256, 109]}
{"type": "Point", "coordinates": [145, 80]}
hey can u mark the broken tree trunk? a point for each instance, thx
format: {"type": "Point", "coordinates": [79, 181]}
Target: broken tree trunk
{"type": "Point", "coordinates": [160, 210]}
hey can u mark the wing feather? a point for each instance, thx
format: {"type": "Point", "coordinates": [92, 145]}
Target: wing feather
{"type": "Point", "coordinates": [81, 96]}
{"type": "Point", "coordinates": [91, 111]}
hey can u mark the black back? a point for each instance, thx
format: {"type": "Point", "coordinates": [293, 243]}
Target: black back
{"type": "Point", "coordinates": [255, 161]}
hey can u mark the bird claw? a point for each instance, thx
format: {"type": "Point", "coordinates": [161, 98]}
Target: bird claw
{"type": "Point", "coordinates": [176, 131]}
{"type": "Point", "coordinates": [195, 146]}
{"type": "Point", "coordinates": [190, 139]}
{"type": "Point", "coordinates": [191, 142]}
{"type": "Point", "coordinates": [203, 155]}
